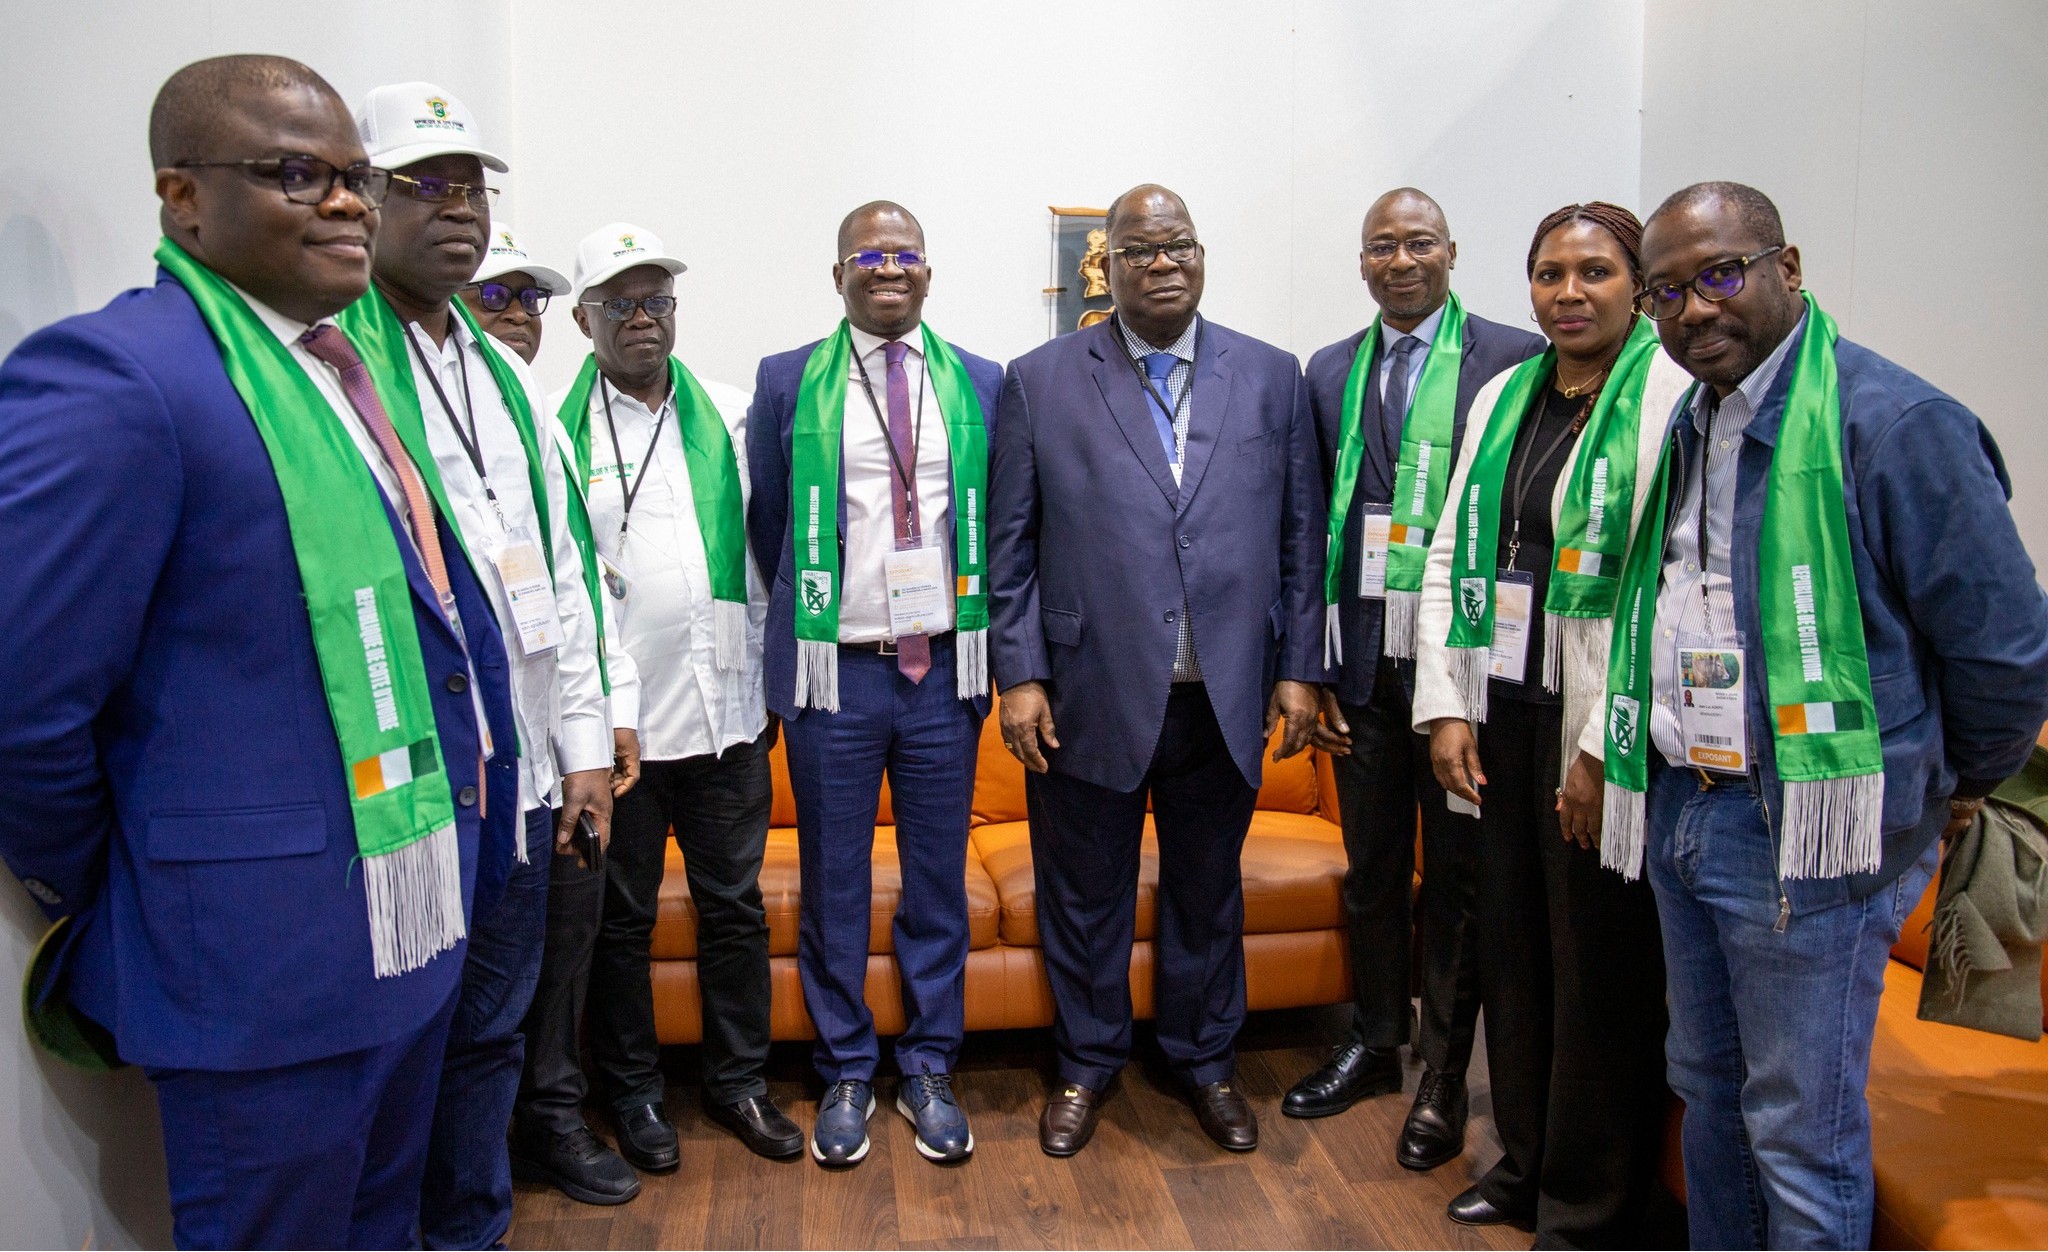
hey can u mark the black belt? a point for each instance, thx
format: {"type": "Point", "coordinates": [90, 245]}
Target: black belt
{"type": "Point", "coordinates": [887, 647]}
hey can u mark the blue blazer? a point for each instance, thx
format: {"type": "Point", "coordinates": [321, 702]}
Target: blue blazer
{"type": "Point", "coordinates": [769, 421]}
{"type": "Point", "coordinates": [1954, 624]}
{"type": "Point", "coordinates": [172, 777]}
{"type": "Point", "coordinates": [1489, 348]}
{"type": "Point", "coordinates": [1095, 553]}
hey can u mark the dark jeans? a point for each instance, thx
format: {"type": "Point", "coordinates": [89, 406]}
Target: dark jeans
{"type": "Point", "coordinates": [1379, 787]}
{"type": "Point", "coordinates": [466, 1198]}
{"type": "Point", "coordinates": [1572, 977]}
{"type": "Point", "coordinates": [599, 932]}
{"type": "Point", "coordinates": [1085, 842]}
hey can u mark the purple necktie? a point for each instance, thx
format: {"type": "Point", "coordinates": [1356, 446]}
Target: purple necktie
{"type": "Point", "coordinates": [913, 652]}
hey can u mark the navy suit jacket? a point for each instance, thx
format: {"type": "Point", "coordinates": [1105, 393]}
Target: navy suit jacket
{"type": "Point", "coordinates": [1095, 553]}
{"type": "Point", "coordinates": [172, 775]}
{"type": "Point", "coordinates": [770, 420]}
{"type": "Point", "coordinates": [1489, 348]}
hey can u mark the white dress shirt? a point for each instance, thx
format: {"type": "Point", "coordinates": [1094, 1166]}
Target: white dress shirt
{"type": "Point", "coordinates": [661, 639]}
{"type": "Point", "coordinates": [557, 694]}
{"type": "Point", "coordinates": [1425, 331]}
{"type": "Point", "coordinates": [870, 505]}
{"type": "Point", "coordinates": [1683, 613]}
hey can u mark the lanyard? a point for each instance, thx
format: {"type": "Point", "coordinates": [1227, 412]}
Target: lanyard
{"type": "Point", "coordinates": [1180, 434]}
{"type": "Point", "coordinates": [472, 445]}
{"type": "Point", "coordinates": [903, 473]}
{"type": "Point", "coordinates": [630, 487]}
{"type": "Point", "coordinates": [1706, 451]}
{"type": "Point", "coordinates": [1524, 471]}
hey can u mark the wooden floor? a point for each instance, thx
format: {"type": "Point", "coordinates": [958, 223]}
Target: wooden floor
{"type": "Point", "coordinates": [1150, 1179]}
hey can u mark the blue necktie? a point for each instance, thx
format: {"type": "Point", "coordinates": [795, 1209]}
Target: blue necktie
{"type": "Point", "coordinates": [1158, 367]}
{"type": "Point", "coordinates": [1394, 407]}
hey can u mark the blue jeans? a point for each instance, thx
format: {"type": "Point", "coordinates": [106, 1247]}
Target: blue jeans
{"type": "Point", "coordinates": [1770, 1032]}
{"type": "Point", "coordinates": [466, 1199]}
{"type": "Point", "coordinates": [926, 738]}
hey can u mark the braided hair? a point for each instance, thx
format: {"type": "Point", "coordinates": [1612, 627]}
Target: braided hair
{"type": "Point", "coordinates": [1612, 218]}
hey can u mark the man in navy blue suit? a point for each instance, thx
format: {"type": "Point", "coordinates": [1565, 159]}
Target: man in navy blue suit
{"type": "Point", "coordinates": [876, 660]}
{"type": "Point", "coordinates": [1156, 513]}
{"type": "Point", "coordinates": [1382, 767]}
{"type": "Point", "coordinates": [178, 797]}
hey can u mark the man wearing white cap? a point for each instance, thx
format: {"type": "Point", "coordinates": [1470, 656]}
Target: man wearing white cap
{"type": "Point", "coordinates": [661, 459]}
{"type": "Point", "coordinates": [506, 491]}
{"type": "Point", "coordinates": [510, 292]}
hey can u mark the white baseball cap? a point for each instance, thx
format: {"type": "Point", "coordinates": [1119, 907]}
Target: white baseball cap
{"type": "Point", "coordinates": [406, 122]}
{"type": "Point", "coordinates": [505, 255]}
{"type": "Point", "coordinates": [612, 249]}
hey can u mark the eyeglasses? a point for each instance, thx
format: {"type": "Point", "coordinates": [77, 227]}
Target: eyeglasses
{"type": "Point", "coordinates": [497, 297]}
{"type": "Point", "coordinates": [620, 308]}
{"type": "Point", "coordinates": [437, 190]}
{"type": "Point", "coordinates": [1140, 255]}
{"type": "Point", "coordinates": [1720, 281]}
{"type": "Point", "coordinates": [308, 179]}
{"type": "Point", "coordinates": [873, 259]}
{"type": "Point", "coordinates": [1421, 247]}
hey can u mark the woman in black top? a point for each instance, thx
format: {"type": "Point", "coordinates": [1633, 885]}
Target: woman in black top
{"type": "Point", "coordinates": [1571, 964]}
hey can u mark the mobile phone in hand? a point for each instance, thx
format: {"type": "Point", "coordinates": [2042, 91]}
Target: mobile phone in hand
{"type": "Point", "coordinates": [588, 844]}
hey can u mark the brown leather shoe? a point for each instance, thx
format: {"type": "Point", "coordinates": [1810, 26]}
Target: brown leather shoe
{"type": "Point", "coordinates": [1068, 1121]}
{"type": "Point", "coordinates": [1226, 1116]}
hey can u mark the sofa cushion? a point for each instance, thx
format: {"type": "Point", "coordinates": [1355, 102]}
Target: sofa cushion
{"type": "Point", "coordinates": [1293, 867]}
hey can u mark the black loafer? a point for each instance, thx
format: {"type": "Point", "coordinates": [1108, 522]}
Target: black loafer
{"type": "Point", "coordinates": [575, 1164]}
{"type": "Point", "coordinates": [759, 1125]}
{"type": "Point", "coordinates": [1435, 1130]}
{"type": "Point", "coordinates": [1472, 1209]}
{"type": "Point", "coordinates": [647, 1138]}
{"type": "Point", "coordinates": [1352, 1073]}
{"type": "Point", "coordinates": [1226, 1116]}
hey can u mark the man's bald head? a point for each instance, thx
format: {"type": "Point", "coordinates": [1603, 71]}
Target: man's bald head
{"type": "Point", "coordinates": [188, 109]}
{"type": "Point", "coordinates": [1412, 200]}
{"type": "Point", "coordinates": [1143, 195]}
{"type": "Point", "coordinates": [1749, 206]}
{"type": "Point", "coordinates": [855, 223]}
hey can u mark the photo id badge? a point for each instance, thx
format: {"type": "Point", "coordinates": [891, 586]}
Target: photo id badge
{"type": "Point", "coordinates": [524, 573]}
{"type": "Point", "coordinates": [1372, 551]}
{"type": "Point", "coordinates": [1514, 597]}
{"type": "Point", "coordinates": [1712, 712]}
{"type": "Point", "coordinates": [616, 584]}
{"type": "Point", "coordinates": [917, 581]}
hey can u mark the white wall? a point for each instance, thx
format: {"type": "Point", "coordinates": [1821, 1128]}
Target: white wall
{"type": "Point", "coordinates": [1903, 143]}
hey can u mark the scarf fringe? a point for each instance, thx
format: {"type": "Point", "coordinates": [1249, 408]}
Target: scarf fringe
{"type": "Point", "coordinates": [1582, 645]}
{"type": "Point", "coordinates": [1333, 637]}
{"type": "Point", "coordinates": [970, 663]}
{"type": "Point", "coordinates": [729, 633]}
{"type": "Point", "coordinates": [817, 675]}
{"type": "Point", "coordinates": [1397, 638]}
{"type": "Point", "coordinates": [1832, 827]}
{"type": "Point", "coordinates": [1469, 678]}
{"type": "Point", "coordinates": [1624, 815]}
{"type": "Point", "coordinates": [415, 900]}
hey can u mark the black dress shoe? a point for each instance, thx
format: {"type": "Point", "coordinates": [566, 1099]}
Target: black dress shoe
{"type": "Point", "coordinates": [647, 1138]}
{"type": "Point", "coordinates": [1435, 1131]}
{"type": "Point", "coordinates": [1068, 1122]}
{"type": "Point", "coordinates": [759, 1125]}
{"type": "Point", "coordinates": [576, 1164]}
{"type": "Point", "coordinates": [1352, 1073]}
{"type": "Point", "coordinates": [1472, 1209]}
{"type": "Point", "coordinates": [1226, 1116]}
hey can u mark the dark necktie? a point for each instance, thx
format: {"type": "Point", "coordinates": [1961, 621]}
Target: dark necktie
{"type": "Point", "coordinates": [1159, 369]}
{"type": "Point", "coordinates": [1395, 404]}
{"type": "Point", "coordinates": [913, 652]}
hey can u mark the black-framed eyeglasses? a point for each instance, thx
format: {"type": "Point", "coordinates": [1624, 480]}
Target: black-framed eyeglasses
{"type": "Point", "coordinates": [1420, 247]}
{"type": "Point", "coordinates": [874, 258]}
{"type": "Point", "coordinates": [1140, 255]}
{"type": "Point", "coordinates": [1720, 281]}
{"type": "Point", "coordinates": [308, 179]}
{"type": "Point", "coordinates": [620, 308]}
{"type": "Point", "coordinates": [497, 297]}
{"type": "Point", "coordinates": [434, 190]}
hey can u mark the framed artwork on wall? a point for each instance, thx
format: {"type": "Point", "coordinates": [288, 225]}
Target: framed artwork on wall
{"type": "Point", "coordinates": [1077, 294]}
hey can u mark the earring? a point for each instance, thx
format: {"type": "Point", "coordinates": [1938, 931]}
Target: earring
{"type": "Point", "coordinates": [1532, 317]}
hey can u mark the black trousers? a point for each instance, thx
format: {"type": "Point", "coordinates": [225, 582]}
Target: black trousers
{"type": "Point", "coordinates": [1572, 975]}
{"type": "Point", "coordinates": [1085, 843]}
{"type": "Point", "coordinates": [1379, 787]}
{"type": "Point", "coordinates": [599, 931]}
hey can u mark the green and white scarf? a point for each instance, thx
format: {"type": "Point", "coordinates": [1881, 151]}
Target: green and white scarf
{"type": "Point", "coordinates": [1420, 481]}
{"type": "Point", "coordinates": [814, 515]}
{"type": "Point", "coordinates": [361, 611]}
{"type": "Point", "coordinates": [1816, 669]}
{"type": "Point", "coordinates": [714, 492]}
{"type": "Point", "coordinates": [1585, 569]}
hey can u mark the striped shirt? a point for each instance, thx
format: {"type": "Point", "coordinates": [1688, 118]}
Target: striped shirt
{"type": "Point", "coordinates": [1186, 668]}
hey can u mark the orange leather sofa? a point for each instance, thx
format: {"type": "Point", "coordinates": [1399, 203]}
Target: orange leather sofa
{"type": "Point", "coordinates": [1295, 951]}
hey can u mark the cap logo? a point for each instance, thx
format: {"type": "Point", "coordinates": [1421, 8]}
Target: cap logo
{"type": "Point", "coordinates": [506, 236]}
{"type": "Point", "coordinates": [437, 106]}
{"type": "Point", "coordinates": [626, 242]}
{"type": "Point", "coordinates": [438, 117]}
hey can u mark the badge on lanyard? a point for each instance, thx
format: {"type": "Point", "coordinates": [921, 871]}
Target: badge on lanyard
{"type": "Point", "coordinates": [917, 584]}
{"type": "Point", "coordinates": [1514, 599]}
{"type": "Point", "coordinates": [1372, 551]}
{"type": "Point", "coordinates": [524, 573]}
{"type": "Point", "coordinates": [615, 580]}
{"type": "Point", "coordinates": [1712, 710]}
